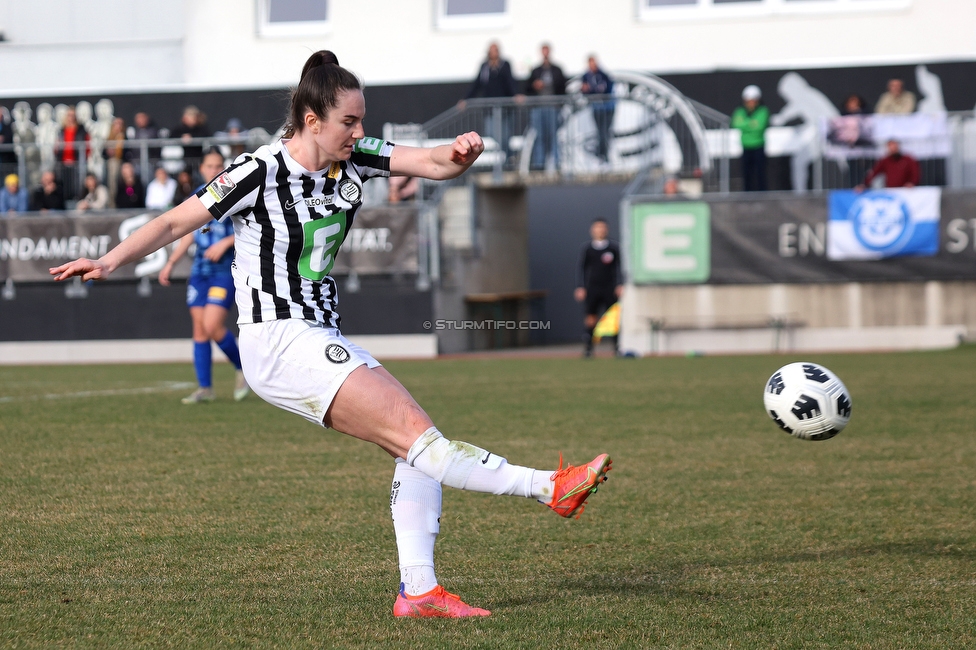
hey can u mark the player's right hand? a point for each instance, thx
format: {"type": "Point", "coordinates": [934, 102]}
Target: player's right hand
{"type": "Point", "coordinates": [86, 268]}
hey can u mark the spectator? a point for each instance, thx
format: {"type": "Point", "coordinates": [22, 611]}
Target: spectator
{"type": "Point", "coordinates": [900, 170]}
{"type": "Point", "coordinates": [854, 105]}
{"type": "Point", "coordinates": [72, 144]}
{"type": "Point", "coordinates": [116, 153]}
{"type": "Point", "coordinates": [495, 80]}
{"type": "Point", "coordinates": [144, 128]}
{"type": "Point", "coordinates": [897, 101]}
{"type": "Point", "coordinates": [8, 159]}
{"type": "Point", "coordinates": [130, 193]}
{"type": "Point", "coordinates": [752, 119]}
{"type": "Point", "coordinates": [597, 82]}
{"type": "Point", "coordinates": [184, 186]}
{"type": "Point", "coordinates": [94, 196]}
{"type": "Point", "coordinates": [191, 126]}
{"type": "Point", "coordinates": [160, 191]}
{"type": "Point", "coordinates": [672, 188]}
{"type": "Point", "coordinates": [233, 134]}
{"type": "Point", "coordinates": [49, 196]}
{"type": "Point", "coordinates": [403, 188]}
{"type": "Point", "coordinates": [13, 197]}
{"type": "Point", "coordinates": [546, 80]}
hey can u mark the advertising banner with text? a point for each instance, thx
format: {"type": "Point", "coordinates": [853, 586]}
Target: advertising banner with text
{"type": "Point", "coordinates": [903, 236]}
{"type": "Point", "coordinates": [382, 240]}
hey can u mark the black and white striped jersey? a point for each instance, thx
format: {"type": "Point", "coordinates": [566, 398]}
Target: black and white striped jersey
{"type": "Point", "coordinates": [289, 223]}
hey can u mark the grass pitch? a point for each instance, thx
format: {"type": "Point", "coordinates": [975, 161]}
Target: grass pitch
{"type": "Point", "coordinates": [130, 520]}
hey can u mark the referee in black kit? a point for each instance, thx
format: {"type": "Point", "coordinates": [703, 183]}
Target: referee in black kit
{"type": "Point", "coordinates": [599, 281]}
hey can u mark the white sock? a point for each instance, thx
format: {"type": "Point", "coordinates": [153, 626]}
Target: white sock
{"type": "Point", "coordinates": [415, 503]}
{"type": "Point", "coordinates": [466, 467]}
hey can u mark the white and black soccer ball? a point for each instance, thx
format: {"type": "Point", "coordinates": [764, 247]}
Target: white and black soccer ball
{"type": "Point", "coordinates": [807, 401]}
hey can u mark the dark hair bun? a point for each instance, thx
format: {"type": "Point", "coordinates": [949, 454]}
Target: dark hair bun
{"type": "Point", "coordinates": [322, 57]}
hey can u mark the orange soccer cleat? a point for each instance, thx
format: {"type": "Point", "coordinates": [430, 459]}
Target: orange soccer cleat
{"type": "Point", "coordinates": [572, 485]}
{"type": "Point", "coordinates": [436, 603]}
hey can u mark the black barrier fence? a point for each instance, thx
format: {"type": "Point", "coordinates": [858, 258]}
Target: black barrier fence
{"type": "Point", "coordinates": [780, 239]}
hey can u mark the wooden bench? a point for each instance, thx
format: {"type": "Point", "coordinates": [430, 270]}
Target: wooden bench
{"type": "Point", "coordinates": [782, 327]}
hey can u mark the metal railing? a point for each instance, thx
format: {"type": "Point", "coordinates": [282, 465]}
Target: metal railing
{"type": "Point", "coordinates": [657, 136]}
{"type": "Point", "coordinates": [29, 160]}
{"type": "Point", "coordinates": [645, 127]}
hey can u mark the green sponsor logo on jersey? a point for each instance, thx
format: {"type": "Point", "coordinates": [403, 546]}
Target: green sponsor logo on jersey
{"type": "Point", "coordinates": [322, 239]}
{"type": "Point", "coordinates": [369, 145]}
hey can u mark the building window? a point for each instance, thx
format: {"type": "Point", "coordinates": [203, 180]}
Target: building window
{"type": "Point", "coordinates": [677, 9]}
{"type": "Point", "coordinates": [293, 17]}
{"type": "Point", "coordinates": [471, 14]}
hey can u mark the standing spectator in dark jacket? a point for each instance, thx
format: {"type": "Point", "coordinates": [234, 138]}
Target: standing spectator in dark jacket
{"type": "Point", "coordinates": [130, 192]}
{"type": "Point", "coordinates": [900, 170]}
{"type": "Point", "coordinates": [854, 105]}
{"type": "Point", "coordinates": [49, 196]}
{"type": "Point", "coordinates": [8, 159]}
{"type": "Point", "coordinates": [546, 80]}
{"type": "Point", "coordinates": [596, 82]}
{"type": "Point", "coordinates": [144, 128]}
{"type": "Point", "coordinates": [192, 125]}
{"type": "Point", "coordinates": [495, 80]}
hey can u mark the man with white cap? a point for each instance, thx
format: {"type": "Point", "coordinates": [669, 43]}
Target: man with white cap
{"type": "Point", "coordinates": [751, 119]}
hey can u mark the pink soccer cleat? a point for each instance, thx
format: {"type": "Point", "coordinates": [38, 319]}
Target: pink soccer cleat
{"type": "Point", "coordinates": [436, 603]}
{"type": "Point", "coordinates": [572, 485]}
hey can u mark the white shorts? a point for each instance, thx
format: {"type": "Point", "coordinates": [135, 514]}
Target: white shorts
{"type": "Point", "coordinates": [299, 365]}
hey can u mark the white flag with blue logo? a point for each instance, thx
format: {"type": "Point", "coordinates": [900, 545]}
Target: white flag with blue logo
{"type": "Point", "coordinates": [883, 223]}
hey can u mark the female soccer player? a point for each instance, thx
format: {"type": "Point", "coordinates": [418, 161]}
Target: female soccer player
{"type": "Point", "coordinates": [209, 293]}
{"type": "Point", "coordinates": [292, 203]}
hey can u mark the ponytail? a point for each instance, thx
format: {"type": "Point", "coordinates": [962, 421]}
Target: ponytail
{"type": "Point", "coordinates": [321, 83]}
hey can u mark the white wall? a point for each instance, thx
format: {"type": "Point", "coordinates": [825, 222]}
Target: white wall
{"type": "Point", "coordinates": [90, 44]}
{"type": "Point", "coordinates": [123, 44]}
{"type": "Point", "coordinates": [390, 42]}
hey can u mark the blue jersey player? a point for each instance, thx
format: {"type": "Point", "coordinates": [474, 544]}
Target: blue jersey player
{"type": "Point", "coordinates": [209, 293]}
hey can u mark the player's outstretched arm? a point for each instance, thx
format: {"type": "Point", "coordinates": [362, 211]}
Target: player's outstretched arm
{"type": "Point", "coordinates": [164, 229]}
{"type": "Point", "coordinates": [437, 163]}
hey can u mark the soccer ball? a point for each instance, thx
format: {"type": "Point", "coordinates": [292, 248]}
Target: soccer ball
{"type": "Point", "coordinates": [807, 401]}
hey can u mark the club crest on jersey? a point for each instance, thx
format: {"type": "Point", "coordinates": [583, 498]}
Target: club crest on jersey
{"type": "Point", "coordinates": [607, 258]}
{"type": "Point", "coordinates": [351, 192]}
{"type": "Point", "coordinates": [220, 187]}
{"type": "Point", "coordinates": [336, 353]}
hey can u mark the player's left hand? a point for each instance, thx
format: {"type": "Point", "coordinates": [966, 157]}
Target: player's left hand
{"type": "Point", "coordinates": [466, 148]}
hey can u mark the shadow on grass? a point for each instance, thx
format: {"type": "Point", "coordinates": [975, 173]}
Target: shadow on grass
{"type": "Point", "coordinates": [669, 578]}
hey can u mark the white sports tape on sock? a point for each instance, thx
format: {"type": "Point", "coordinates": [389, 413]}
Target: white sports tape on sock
{"type": "Point", "coordinates": [449, 461]}
{"type": "Point", "coordinates": [465, 466]}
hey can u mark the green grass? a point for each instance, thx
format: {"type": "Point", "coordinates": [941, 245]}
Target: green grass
{"type": "Point", "coordinates": [130, 520]}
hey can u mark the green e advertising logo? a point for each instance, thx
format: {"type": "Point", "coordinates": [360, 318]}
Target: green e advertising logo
{"type": "Point", "coordinates": [671, 242]}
